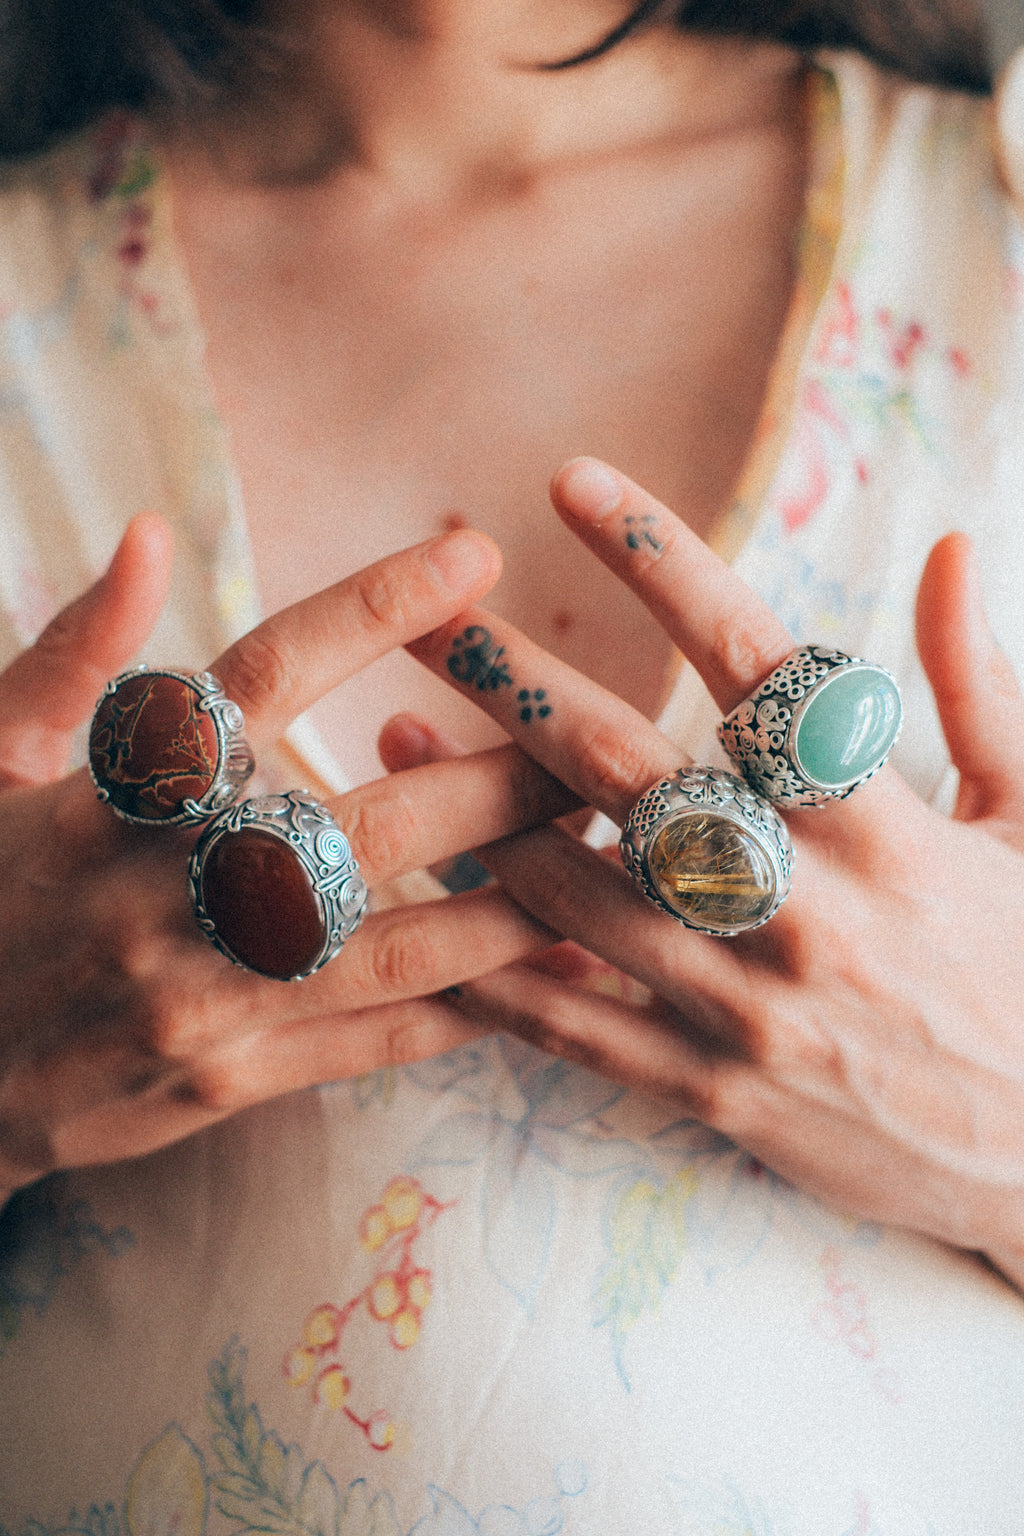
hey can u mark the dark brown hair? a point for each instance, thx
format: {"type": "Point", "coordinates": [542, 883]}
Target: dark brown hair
{"type": "Point", "coordinates": [65, 62]}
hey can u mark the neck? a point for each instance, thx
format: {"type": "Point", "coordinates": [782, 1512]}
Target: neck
{"type": "Point", "coordinates": [430, 96]}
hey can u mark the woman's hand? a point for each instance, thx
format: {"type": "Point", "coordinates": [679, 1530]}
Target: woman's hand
{"type": "Point", "coordinates": [868, 1042]}
{"type": "Point", "coordinates": [121, 1028]}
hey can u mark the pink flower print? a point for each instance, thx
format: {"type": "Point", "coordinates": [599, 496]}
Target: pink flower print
{"type": "Point", "coordinates": [839, 342]}
{"type": "Point", "coordinates": [843, 1316]}
{"type": "Point", "coordinates": [817, 416]}
{"type": "Point", "coordinates": [960, 362]}
{"type": "Point", "coordinates": [902, 341]}
{"type": "Point", "coordinates": [133, 246]}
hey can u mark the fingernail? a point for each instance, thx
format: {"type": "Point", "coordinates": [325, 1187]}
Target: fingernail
{"type": "Point", "coordinates": [463, 560]}
{"type": "Point", "coordinates": [588, 488]}
{"type": "Point", "coordinates": [413, 739]}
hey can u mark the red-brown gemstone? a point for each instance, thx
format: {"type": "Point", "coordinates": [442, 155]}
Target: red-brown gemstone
{"type": "Point", "coordinates": [152, 747]}
{"type": "Point", "coordinates": [261, 899]}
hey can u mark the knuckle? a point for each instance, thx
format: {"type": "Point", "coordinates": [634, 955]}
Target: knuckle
{"type": "Point", "coordinates": [161, 1028]}
{"type": "Point", "coordinates": [384, 594]}
{"type": "Point", "coordinates": [402, 961]}
{"type": "Point", "coordinates": [769, 1038]}
{"type": "Point", "coordinates": [216, 1087]}
{"type": "Point", "coordinates": [410, 1038]}
{"type": "Point", "coordinates": [616, 766]}
{"type": "Point", "coordinates": [383, 830]}
{"type": "Point", "coordinates": [745, 648]}
{"type": "Point", "coordinates": [261, 671]}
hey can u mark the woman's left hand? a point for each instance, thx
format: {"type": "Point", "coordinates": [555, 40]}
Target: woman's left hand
{"type": "Point", "coordinates": [868, 1042]}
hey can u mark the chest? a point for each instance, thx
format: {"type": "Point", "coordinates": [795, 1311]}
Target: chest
{"type": "Point", "coordinates": [386, 374]}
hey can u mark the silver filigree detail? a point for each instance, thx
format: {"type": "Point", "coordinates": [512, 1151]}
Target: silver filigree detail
{"type": "Point", "coordinates": [757, 735]}
{"type": "Point", "coordinates": [316, 840]}
{"type": "Point", "coordinates": [716, 792]}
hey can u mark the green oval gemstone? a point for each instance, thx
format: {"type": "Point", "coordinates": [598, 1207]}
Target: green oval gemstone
{"type": "Point", "coordinates": [847, 727]}
{"type": "Point", "coordinates": [711, 871]}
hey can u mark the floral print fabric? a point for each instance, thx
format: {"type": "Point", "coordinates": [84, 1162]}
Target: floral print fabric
{"type": "Point", "coordinates": [492, 1293]}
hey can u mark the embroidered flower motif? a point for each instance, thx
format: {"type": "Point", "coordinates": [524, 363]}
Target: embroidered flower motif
{"type": "Point", "coordinates": [397, 1295]}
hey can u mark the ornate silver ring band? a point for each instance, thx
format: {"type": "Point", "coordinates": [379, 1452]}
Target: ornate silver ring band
{"type": "Point", "coordinates": [275, 886]}
{"type": "Point", "coordinates": [708, 850]}
{"type": "Point", "coordinates": [817, 728]}
{"type": "Point", "coordinates": [166, 748]}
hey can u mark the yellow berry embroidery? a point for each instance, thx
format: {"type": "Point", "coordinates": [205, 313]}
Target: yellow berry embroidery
{"type": "Point", "coordinates": [397, 1296]}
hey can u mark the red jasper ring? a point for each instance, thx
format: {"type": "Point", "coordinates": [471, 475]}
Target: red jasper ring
{"type": "Point", "coordinates": [167, 749]}
{"type": "Point", "coordinates": [275, 886]}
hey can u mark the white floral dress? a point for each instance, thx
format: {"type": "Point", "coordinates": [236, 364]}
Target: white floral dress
{"type": "Point", "coordinates": [492, 1293]}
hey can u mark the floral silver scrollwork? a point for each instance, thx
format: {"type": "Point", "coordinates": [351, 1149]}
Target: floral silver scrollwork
{"type": "Point", "coordinates": [718, 793]}
{"type": "Point", "coordinates": [236, 763]}
{"type": "Point", "coordinates": [320, 846]}
{"type": "Point", "coordinates": [758, 735]}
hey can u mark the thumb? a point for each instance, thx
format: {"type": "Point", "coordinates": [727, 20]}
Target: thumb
{"type": "Point", "coordinates": [976, 693]}
{"type": "Point", "coordinates": [52, 687]}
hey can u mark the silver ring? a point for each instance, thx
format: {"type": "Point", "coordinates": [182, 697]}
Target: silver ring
{"type": "Point", "coordinates": [818, 727]}
{"type": "Point", "coordinates": [709, 851]}
{"type": "Point", "coordinates": [167, 748]}
{"type": "Point", "coordinates": [275, 886]}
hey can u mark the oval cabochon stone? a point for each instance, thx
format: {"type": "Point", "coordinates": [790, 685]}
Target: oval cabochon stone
{"type": "Point", "coordinates": [152, 747]}
{"type": "Point", "coordinates": [261, 898]}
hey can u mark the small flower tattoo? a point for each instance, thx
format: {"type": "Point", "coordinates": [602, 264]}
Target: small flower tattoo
{"type": "Point", "coordinates": [475, 659]}
{"type": "Point", "coordinates": [531, 704]}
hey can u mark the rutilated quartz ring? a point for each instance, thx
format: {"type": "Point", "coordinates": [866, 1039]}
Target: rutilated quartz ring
{"type": "Point", "coordinates": [817, 728]}
{"type": "Point", "coordinates": [275, 886]}
{"type": "Point", "coordinates": [708, 850]}
{"type": "Point", "coordinates": [166, 748]}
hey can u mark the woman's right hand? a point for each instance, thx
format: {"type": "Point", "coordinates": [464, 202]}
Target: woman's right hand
{"type": "Point", "coordinates": [121, 1028]}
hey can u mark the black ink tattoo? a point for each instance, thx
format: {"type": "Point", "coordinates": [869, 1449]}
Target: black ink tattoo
{"type": "Point", "coordinates": [475, 659]}
{"type": "Point", "coordinates": [640, 531]}
{"type": "Point", "coordinates": [533, 704]}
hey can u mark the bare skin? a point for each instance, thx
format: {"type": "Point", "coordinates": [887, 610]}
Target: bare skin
{"type": "Point", "coordinates": [865, 1043]}
{"type": "Point", "coordinates": [457, 269]}
{"type": "Point", "coordinates": [122, 1029]}
{"type": "Point", "coordinates": [449, 203]}
{"type": "Point", "coordinates": [496, 265]}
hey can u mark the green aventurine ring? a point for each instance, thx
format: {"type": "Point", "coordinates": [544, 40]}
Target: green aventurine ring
{"type": "Point", "coordinates": [709, 851]}
{"type": "Point", "coordinates": [819, 726]}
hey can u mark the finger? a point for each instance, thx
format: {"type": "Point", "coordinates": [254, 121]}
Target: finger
{"type": "Point", "coordinates": [397, 956]}
{"type": "Point", "coordinates": [290, 660]}
{"type": "Point", "coordinates": [413, 951]}
{"type": "Point", "coordinates": [52, 687]}
{"type": "Point", "coordinates": [417, 818]}
{"type": "Point", "coordinates": [593, 741]}
{"type": "Point", "coordinates": [976, 692]}
{"type": "Point", "coordinates": [242, 1070]}
{"type": "Point", "coordinates": [722, 627]}
{"type": "Point", "coordinates": [307, 1051]}
{"type": "Point", "coordinates": [576, 891]}
{"type": "Point", "coordinates": [644, 1048]}
{"type": "Point", "coordinates": [408, 741]}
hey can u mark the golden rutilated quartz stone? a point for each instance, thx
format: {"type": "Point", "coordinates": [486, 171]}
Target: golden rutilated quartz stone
{"type": "Point", "coordinates": [711, 871]}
